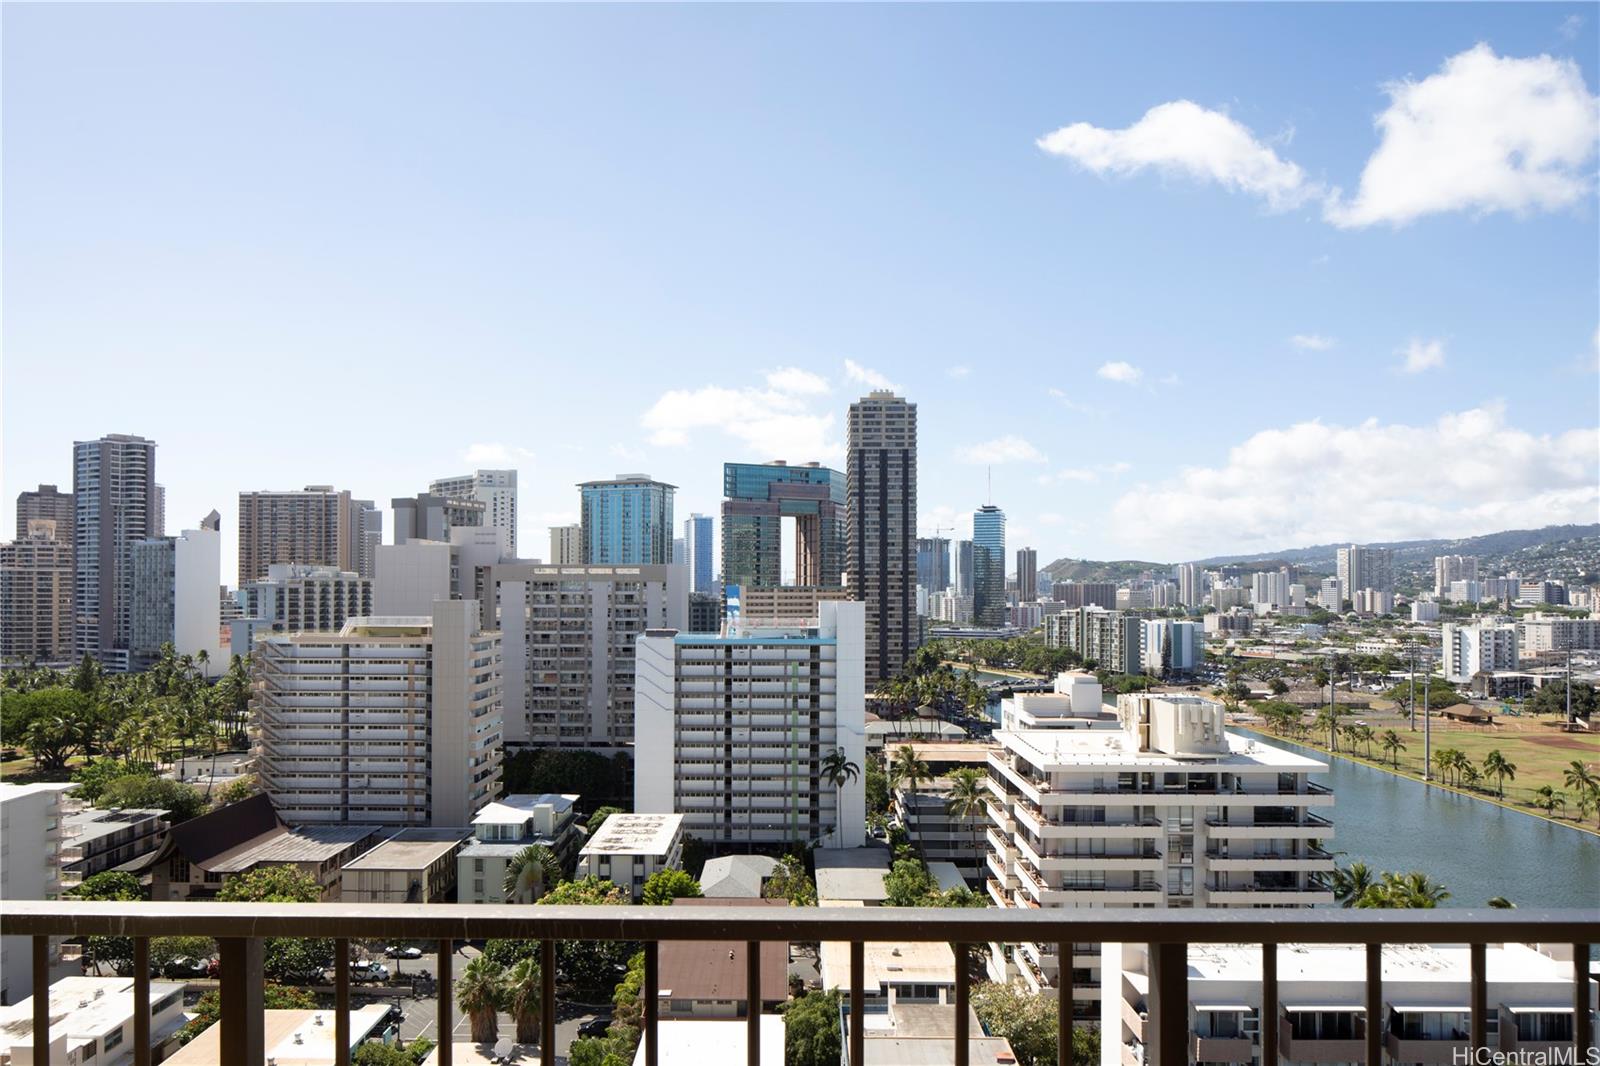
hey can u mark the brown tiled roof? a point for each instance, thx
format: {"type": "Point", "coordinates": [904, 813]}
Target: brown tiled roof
{"type": "Point", "coordinates": [201, 840]}
{"type": "Point", "coordinates": [715, 969]}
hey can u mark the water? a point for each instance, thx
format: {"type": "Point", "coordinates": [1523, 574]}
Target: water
{"type": "Point", "coordinates": [1475, 849]}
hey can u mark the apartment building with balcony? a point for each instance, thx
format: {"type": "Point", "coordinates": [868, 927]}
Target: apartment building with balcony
{"type": "Point", "coordinates": [1320, 1014]}
{"type": "Point", "coordinates": [569, 634]}
{"type": "Point", "coordinates": [1159, 808]}
{"type": "Point", "coordinates": [628, 849]}
{"type": "Point", "coordinates": [941, 834]}
{"type": "Point", "coordinates": [737, 725]}
{"type": "Point", "coordinates": [36, 594]}
{"type": "Point", "coordinates": [503, 829]}
{"type": "Point", "coordinates": [297, 598]}
{"type": "Point", "coordinates": [30, 868]}
{"type": "Point", "coordinates": [1112, 639]}
{"type": "Point", "coordinates": [94, 840]}
{"type": "Point", "coordinates": [391, 721]}
{"type": "Point", "coordinates": [317, 526]}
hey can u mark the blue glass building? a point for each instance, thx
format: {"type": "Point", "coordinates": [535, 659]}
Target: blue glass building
{"type": "Point", "coordinates": [697, 536]}
{"type": "Point", "coordinates": [989, 566]}
{"type": "Point", "coordinates": [757, 498]}
{"type": "Point", "coordinates": [627, 521]}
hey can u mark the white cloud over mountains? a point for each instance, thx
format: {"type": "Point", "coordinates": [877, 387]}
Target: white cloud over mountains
{"type": "Point", "coordinates": [1467, 473]}
{"type": "Point", "coordinates": [1486, 133]}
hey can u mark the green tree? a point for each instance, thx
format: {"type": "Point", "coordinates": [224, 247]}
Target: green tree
{"type": "Point", "coordinates": [1496, 765]}
{"type": "Point", "coordinates": [165, 950]}
{"type": "Point", "coordinates": [1350, 883]}
{"type": "Point", "coordinates": [375, 1053]}
{"type": "Point", "coordinates": [95, 774]}
{"type": "Point", "coordinates": [480, 993]}
{"type": "Point", "coordinates": [113, 951]}
{"type": "Point", "coordinates": [877, 788]}
{"type": "Point", "coordinates": [1584, 783]}
{"type": "Point", "coordinates": [531, 873]}
{"type": "Point", "coordinates": [133, 790]}
{"type": "Point", "coordinates": [666, 885]}
{"type": "Point", "coordinates": [1278, 686]}
{"type": "Point", "coordinates": [240, 788]}
{"type": "Point", "coordinates": [1028, 1021]}
{"type": "Point", "coordinates": [271, 884]}
{"type": "Point", "coordinates": [525, 999]}
{"type": "Point", "coordinates": [1393, 745]}
{"type": "Point", "coordinates": [1547, 799]}
{"type": "Point", "coordinates": [591, 967]}
{"type": "Point", "coordinates": [598, 818]}
{"type": "Point", "coordinates": [1404, 891]}
{"type": "Point", "coordinates": [968, 800]}
{"type": "Point", "coordinates": [616, 1048]}
{"type": "Point", "coordinates": [909, 884]}
{"type": "Point", "coordinates": [811, 1030]}
{"type": "Point", "coordinates": [791, 882]}
{"type": "Point", "coordinates": [837, 768]}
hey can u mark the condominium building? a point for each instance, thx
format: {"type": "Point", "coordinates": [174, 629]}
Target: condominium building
{"type": "Point", "coordinates": [627, 521]}
{"type": "Point", "coordinates": [92, 1023]}
{"type": "Point", "coordinates": [628, 849]}
{"type": "Point", "coordinates": [1269, 588]}
{"type": "Point", "coordinates": [566, 545]}
{"type": "Point", "coordinates": [392, 720]}
{"type": "Point", "coordinates": [786, 603]}
{"type": "Point", "coordinates": [942, 834]}
{"type": "Point", "coordinates": [1471, 649]}
{"type": "Point", "coordinates": [504, 829]}
{"type": "Point", "coordinates": [1425, 611]}
{"type": "Point", "coordinates": [1172, 647]}
{"type": "Point", "coordinates": [1540, 634]}
{"type": "Point", "coordinates": [1372, 601]}
{"type": "Point", "coordinates": [175, 582]}
{"type": "Point", "coordinates": [317, 526]}
{"type": "Point", "coordinates": [113, 496]}
{"type": "Point", "coordinates": [495, 489]}
{"type": "Point", "coordinates": [1448, 569]}
{"type": "Point", "coordinates": [295, 598]}
{"type": "Point", "coordinates": [705, 612]}
{"type": "Point", "coordinates": [989, 566]}
{"type": "Point", "coordinates": [48, 503]}
{"type": "Point", "coordinates": [881, 486]}
{"type": "Point", "coordinates": [961, 567]}
{"type": "Point", "coordinates": [1160, 808]}
{"type": "Point", "coordinates": [36, 594]}
{"type": "Point", "coordinates": [699, 543]}
{"type": "Point", "coordinates": [951, 606]}
{"type": "Point", "coordinates": [368, 536]}
{"type": "Point", "coordinates": [94, 840]}
{"type": "Point", "coordinates": [739, 726]}
{"type": "Point", "coordinates": [1113, 640]}
{"type": "Point", "coordinates": [1330, 595]}
{"type": "Point", "coordinates": [1191, 584]}
{"type": "Point", "coordinates": [569, 634]}
{"type": "Point", "coordinates": [30, 824]}
{"type": "Point", "coordinates": [1027, 575]}
{"type": "Point", "coordinates": [1365, 568]}
{"type": "Point", "coordinates": [933, 563]}
{"type": "Point", "coordinates": [758, 500]}
{"type": "Point", "coordinates": [426, 516]}
{"type": "Point", "coordinates": [1321, 1003]}
{"type": "Point", "coordinates": [1085, 593]}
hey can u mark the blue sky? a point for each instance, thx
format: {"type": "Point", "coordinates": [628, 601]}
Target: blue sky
{"type": "Point", "coordinates": [369, 246]}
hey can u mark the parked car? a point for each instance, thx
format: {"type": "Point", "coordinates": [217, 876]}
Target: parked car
{"type": "Point", "coordinates": [369, 972]}
{"type": "Point", "coordinates": [185, 968]}
{"type": "Point", "coordinates": [395, 951]}
{"type": "Point", "coordinates": [594, 1027]}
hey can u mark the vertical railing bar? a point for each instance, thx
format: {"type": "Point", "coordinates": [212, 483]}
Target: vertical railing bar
{"type": "Point", "coordinates": [1064, 1005]}
{"type": "Point", "coordinates": [41, 994]}
{"type": "Point", "coordinates": [242, 1021]}
{"type": "Point", "coordinates": [1374, 1004]}
{"type": "Point", "coordinates": [141, 1001]}
{"type": "Point", "coordinates": [341, 1002]}
{"type": "Point", "coordinates": [963, 1005]}
{"type": "Point", "coordinates": [1269, 1005]}
{"type": "Point", "coordinates": [547, 1002]}
{"type": "Point", "coordinates": [1169, 1009]}
{"type": "Point", "coordinates": [652, 1002]}
{"type": "Point", "coordinates": [752, 990]}
{"type": "Point", "coordinates": [858, 997]}
{"type": "Point", "coordinates": [1480, 997]}
{"type": "Point", "coordinates": [446, 1024]}
{"type": "Point", "coordinates": [1582, 1020]}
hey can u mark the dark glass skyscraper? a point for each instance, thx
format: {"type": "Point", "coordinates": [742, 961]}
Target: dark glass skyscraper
{"type": "Point", "coordinates": [989, 566]}
{"type": "Point", "coordinates": [758, 497]}
{"type": "Point", "coordinates": [881, 471]}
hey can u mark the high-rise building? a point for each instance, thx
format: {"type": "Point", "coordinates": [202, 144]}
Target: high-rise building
{"type": "Point", "coordinates": [368, 536]}
{"type": "Point", "coordinates": [158, 512]}
{"type": "Point", "coordinates": [1540, 634]}
{"type": "Point", "coordinates": [293, 598]}
{"type": "Point", "coordinates": [1330, 595]}
{"type": "Point", "coordinates": [1191, 584]}
{"type": "Point", "coordinates": [430, 517]}
{"type": "Point", "coordinates": [566, 545]}
{"type": "Point", "coordinates": [627, 521]}
{"type": "Point", "coordinates": [933, 563]}
{"type": "Point", "coordinates": [1270, 588]}
{"type": "Point", "coordinates": [317, 526]}
{"type": "Point", "coordinates": [961, 568]}
{"type": "Point", "coordinates": [1469, 650]}
{"type": "Point", "coordinates": [569, 635]}
{"type": "Point", "coordinates": [1085, 593]}
{"type": "Point", "coordinates": [1157, 807]}
{"type": "Point", "coordinates": [699, 554]}
{"type": "Point", "coordinates": [1365, 568]}
{"type": "Point", "coordinates": [680, 551]}
{"type": "Point", "coordinates": [740, 727]}
{"type": "Point", "coordinates": [1027, 575]}
{"type": "Point", "coordinates": [495, 489]}
{"type": "Point", "coordinates": [113, 493]}
{"type": "Point", "coordinates": [1448, 569]}
{"type": "Point", "coordinates": [1172, 647]}
{"type": "Point", "coordinates": [758, 497]}
{"type": "Point", "coordinates": [881, 484]}
{"type": "Point", "coordinates": [175, 581]}
{"type": "Point", "coordinates": [1113, 640]}
{"type": "Point", "coordinates": [46, 502]}
{"type": "Point", "coordinates": [36, 594]}
{"type": "Point", "coordinates": [391, 721]}
{"type": "Point", "coordinates": [989, 566]}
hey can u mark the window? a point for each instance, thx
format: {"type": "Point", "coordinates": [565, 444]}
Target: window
{"type": "Point", "coordinates": [112, 1039]}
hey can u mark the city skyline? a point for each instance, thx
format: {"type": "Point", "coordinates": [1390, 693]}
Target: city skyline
{"type": "Point", "coordinates": [1071, 269]}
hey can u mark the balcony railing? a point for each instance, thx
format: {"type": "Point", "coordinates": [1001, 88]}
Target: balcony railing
{"type": "Point", "coordinates": [239, 929]}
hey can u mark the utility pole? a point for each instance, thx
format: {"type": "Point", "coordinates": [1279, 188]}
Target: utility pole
{"type": "Point", "coordinates": [1412, 704]}
{"type": "Point", "coordinates": [1427, 730]}
{"type": "Point", "coordinates": [1333, 709]}
{"type": "Point", "coordinates": [1569, 686]}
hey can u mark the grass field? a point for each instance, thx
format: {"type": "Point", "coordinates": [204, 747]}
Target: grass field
{"type": "Point", "coordinates": [1539, 750]}
{"type": "Point", "coordinates": [21, 771]}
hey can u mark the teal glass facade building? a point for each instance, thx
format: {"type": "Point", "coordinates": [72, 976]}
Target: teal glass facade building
{"type": "Point", "coordinates": [989, 567]}
{"type": "Point", "coordinates": [627, 521]}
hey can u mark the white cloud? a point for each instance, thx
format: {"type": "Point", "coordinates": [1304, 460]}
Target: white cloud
{"type": "Point", "coordinates": [959, 372]}
{"type": "Point", "coordinates": [942, 520]}
{"type": "Point", "coordinates": [1465, 474]}
{"type": "Point", "coordinates": [1007, 449]}
{"type": "Point", "coordinates": [491, 452]}
{"type": "Point", "coordinates": [1066, 401]}
{"type": "Point", "coordinates": [1570, 26]}
{"type": "Point", "coordinates": [1421, 355]}
{"type": "Point", "coordinates": [1182, 138]}
{"type": "Point", "coordinates": [1312, 342]}
{"type": "Point", "coordinates": [1126, 373]}
{"type": "Point", "coordinates": [864, 375]}
{"type": "Point", "coordinates": [1487, 133]}
{"type": "Point", "coordinates": [1050, 518]}
{"type": "Point", "coordinates": [797, 382]}
{"type": "Point", "coordinates": [777, 422]}
{"type": "Point", "coordinates": [1070, 474]}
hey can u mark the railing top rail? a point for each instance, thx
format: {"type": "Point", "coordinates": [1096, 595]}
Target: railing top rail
{"type": "Point", "coordinates": [470, 922]}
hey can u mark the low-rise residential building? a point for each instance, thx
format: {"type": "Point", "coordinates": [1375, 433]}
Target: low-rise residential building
{"type": "Point", "coordinates": [1469, 649]}
{"type": "Point", "coordinates": [708, 978]}
{"type": "Point", "coordinates": [736, 876]}
{"type": "Point", "coordinates": [1543, 634]}
{"type": "Point", "coordinates": [292, 1037]}
{"type": "Point", "coordinates": [505, 828]}
{"type": "Point", "coordinates": [1322, 1011]}
{"type": "Point", "coordinates": [923, 1034]}
{"type": "Point", "coordinates": [94, 840]}
{"type": "Point", "coordinates": [893, 974]}
{"type": "Point", "coordinates": [30, 826]}
{"type": "Point", "coordinates": [414, 866]}
{"type": "Point", "coordinates": [91, 1022]}
{"type": "Point", "coordinates": [628, 848]}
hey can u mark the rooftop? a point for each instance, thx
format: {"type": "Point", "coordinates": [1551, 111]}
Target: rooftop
{"type": "Point", "coordinates": [410, 849]}
{"type": "Point", "coordinates": [635, 834]}
{"type": "Point", "coordinates": [1334, 963]}
{"type": "Point", "coordinates": [519, 807]}
{"type": "Point", "coordinates": [1116, 747]}
{"type": "Point", "coordinates": [79, 1006]}
{"type": "Point", "coordinates": [698, 1042]}
{"type": "Point", "coordinates": [93, 823]}
{"type": "Point", "coordinates": [715, 969]}
{"type": "Point", "coordinates": [312, 843]}
{"type": "Point", "coordinates": [293, 1037]}
{"type": "Point", "coordinates": [899, 963]}
{"type": "Point", "coordinates": [920, 1034]}
{"type": "Point", "coordinates": [736, 876]}
{"type": "Point", "coordinates": [851, 873]}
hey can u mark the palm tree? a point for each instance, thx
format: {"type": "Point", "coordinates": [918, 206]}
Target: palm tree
{"type": "Point", "coordinates": [1496, 765]}
{"type": "Point", "coordinates": [1585, 783]}
{"type": "Point", "coordinates": [1393, 745]}
{"type": "Point", "coordinates": [479, 994]}
{"type": "Point", "coordinates": [837, 767]}
{"type": "Point", "coordinates": [1548, 799]}
{"type": "Point", "coordinates": [967, 800]}
{"type": "Point", "coordinates": [531, 873]}
{"type": "Point", "coordinates": [1469, 774]}
{"type": "Point", "coordinates": [1350, 883]}
{"type": "Point", "coordinates": [524, 999]}
{"type": "Point", "coordinates": [908, 769]}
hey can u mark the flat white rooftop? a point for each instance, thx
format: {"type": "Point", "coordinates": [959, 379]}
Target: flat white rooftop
{"type": "Point", "coordinates": [1412, 963]}
{"type": "Point", "coordinates": [1116, 748]}
{"type": "Point", "coordinates": [889, 964]}
{"type": "Point", "coordinates": [518, 807]}
{"type": "Point", "coordinates": [720, 1042]}
{"type": "Point", "coordinates": [293, 1037]}
{"type": "Point", "coordinates": [79, 1007]}
{"type": "Point", "coordinates": [635, 834]}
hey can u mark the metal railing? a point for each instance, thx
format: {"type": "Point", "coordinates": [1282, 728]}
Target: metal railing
{"type": "Point", "coordinates": [239, 929]}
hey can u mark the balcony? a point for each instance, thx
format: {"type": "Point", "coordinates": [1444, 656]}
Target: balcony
{"type": "Point", "coordinates": [1223, 1049]}
{"type": "Point", "coordinates": [1167, 1038]}
{"type": "Point", "coordinates": [1322, 1049]}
